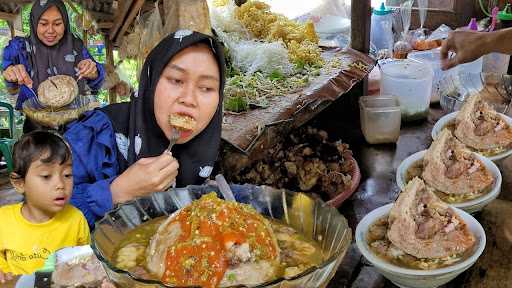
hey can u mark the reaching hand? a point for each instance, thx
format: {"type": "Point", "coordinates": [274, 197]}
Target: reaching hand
{"type": "Point", "coordinates": [17, 74]}
{"type": "Point", "coordinates": [468, 46]}
{"type": "Point", "coordinates": [4, 277]}
{"type": "Point", "coordinates": [87, 69]}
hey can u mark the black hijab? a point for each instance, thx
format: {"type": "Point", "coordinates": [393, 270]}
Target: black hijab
{"type": "Point", "coordinates": [135, 122]}
{"type": "Point", "coordinates": [60, 59]}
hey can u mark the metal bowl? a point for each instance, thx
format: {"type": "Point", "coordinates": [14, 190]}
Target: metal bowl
{"type": "Point", "coordinates": [312, 217]}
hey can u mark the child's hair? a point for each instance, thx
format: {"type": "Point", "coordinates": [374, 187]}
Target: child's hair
{"type": "Point", "coordinates": [35, 145]}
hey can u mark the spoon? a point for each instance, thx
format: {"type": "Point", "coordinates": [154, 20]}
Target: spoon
{"type": "Point", "coordinates": [224, 188]}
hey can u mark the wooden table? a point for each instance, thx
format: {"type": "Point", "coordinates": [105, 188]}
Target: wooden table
{"type": "Point", "coordinates": [378, 187]}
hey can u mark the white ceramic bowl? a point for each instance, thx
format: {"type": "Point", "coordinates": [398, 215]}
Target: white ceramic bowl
{"type": "Point", "coordinates": [446, 119]}
{"type": "Point", "coordinates": [415, 278]}
{"type": "Point", "coordinates": [471, 206]}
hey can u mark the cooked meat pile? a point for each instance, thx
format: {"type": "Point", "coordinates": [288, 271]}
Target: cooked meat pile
{"type": "Point", "coordinates": [182, 122]}
{"type": "Point", "coordinates": [57, 91]}
{"type": "Point", "coordinates": [305, 161]}
{"type": "Point", "coordinates": [480, 127]}
{"type": "Point", "coordinates": [82, 272]}
{"type": "Point", "coordinates": [452, 169]}
{"type": "Point", "coordinates": [213, 243]}
{"type": "Point", "coordinates": [423, 226]}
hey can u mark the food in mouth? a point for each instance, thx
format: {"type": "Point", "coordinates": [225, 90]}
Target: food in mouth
{"type": "Point", "coordinates": [182, 122]}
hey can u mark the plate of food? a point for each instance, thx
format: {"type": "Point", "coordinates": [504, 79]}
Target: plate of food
{"type": "Point", "coordinates": [480, 128]}
{"type": "Point", "coordinates": [192, 237]}
{"type": "Point", "coordinates": [458, 176]}
{"type": "Point", "coordinates": [419, 241]}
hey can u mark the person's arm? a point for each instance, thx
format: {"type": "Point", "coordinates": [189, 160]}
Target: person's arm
{"type": "Point", "coordinates": [97, 183]}
{"type": "Point", "coordinates": [471, 45]}
{"type": "Point", "coordinates": [95, 84]}
{"type": "Point", "coordinates": [14, 71]}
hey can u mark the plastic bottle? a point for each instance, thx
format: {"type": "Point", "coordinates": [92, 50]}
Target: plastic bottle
{"type": "Point", "coordinates": [505, 16]}
{"type": "Point", "coordinates": [382, 28]}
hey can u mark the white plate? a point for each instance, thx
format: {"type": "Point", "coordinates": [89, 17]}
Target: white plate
{"type": "Point", "coordinates": [26, 281]}
{"type": "Point", "coordinates": [443, 122]}
{"type": "Point", "coordinates": [471, 206]}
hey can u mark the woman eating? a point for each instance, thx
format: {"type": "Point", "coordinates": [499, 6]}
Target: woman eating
{"type": "Point", "coordinates": [120, 151]}
{"type": "Point", "coordinates": [50, 50]}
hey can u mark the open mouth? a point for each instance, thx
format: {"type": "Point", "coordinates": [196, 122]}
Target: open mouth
{"type": "Point", "coordinates": [60, 201]}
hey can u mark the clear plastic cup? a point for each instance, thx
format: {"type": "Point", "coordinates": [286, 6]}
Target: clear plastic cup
{"type": "Point", "coordinates": [380, 119]}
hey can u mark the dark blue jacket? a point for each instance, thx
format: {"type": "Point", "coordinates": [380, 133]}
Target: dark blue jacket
{"type": "Point", "coordinates": [16, 53]}
{"type": "Point", "coordinates": [93, 144]}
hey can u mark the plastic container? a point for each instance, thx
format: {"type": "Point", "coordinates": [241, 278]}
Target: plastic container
{"type": "Point", "coordinates": [411, 82]}
{"type": "Point", "coordinates": [505, 16]}
{"type": "Point", "coordinates": [381, 34]}
{"type": "Point", "coordinates": [380, 119]}
{"type": "Point", "coordinates": [433, 58]}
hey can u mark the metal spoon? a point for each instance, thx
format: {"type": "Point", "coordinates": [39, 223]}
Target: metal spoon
{"type": "Point", "coordinates": [224, 188]}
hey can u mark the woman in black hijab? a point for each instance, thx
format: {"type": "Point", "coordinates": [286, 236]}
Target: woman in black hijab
{"type": "Point", "coordinates": [119, 152]}
{"type": "Point", "coordinates": [51, 49]}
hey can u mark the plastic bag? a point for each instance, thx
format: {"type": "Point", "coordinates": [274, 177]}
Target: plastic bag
{"type": "Point", "coordinates": [440, 33]}
{"type": "Point", "coordinates": [131, 43]}
{"type": "Point", "coordinates": [331, 18]}
{"type": "Point", "coordinates": [153, 32]}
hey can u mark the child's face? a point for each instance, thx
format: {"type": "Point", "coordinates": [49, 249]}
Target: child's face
{"type": "Point", "coordinates": [48, 186]}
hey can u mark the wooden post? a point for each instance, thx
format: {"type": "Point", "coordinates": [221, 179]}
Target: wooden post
{"type": "Point", "coordinates": [11, 27]}
{"type": "Point", "coordinates": [360, 33]}
{"type": "Point", "coordinates": [112, 97]}
{"type": "Point", "coordinates": [361, 19]}
{"type": "Point", "coordinates": [85, 39]}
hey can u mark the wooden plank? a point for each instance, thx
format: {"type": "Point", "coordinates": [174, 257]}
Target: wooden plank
{"type": "Point", "coordinates": [134, 10]}
{"type": "Point", "coordinates": [105, 25]}
{"type": "Point", "coordinates": [122, 11]}
{"type": "Point", "coordinates": [7, 16]}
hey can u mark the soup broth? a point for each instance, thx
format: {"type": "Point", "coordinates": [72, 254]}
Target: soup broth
{"type": "Point", "coordinates": [297, 252]}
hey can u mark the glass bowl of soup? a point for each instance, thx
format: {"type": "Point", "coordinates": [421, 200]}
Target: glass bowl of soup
{"type": "Point", "coordinates": [413, 272]}
{"type": "Point", "coordinates": [315, 223]}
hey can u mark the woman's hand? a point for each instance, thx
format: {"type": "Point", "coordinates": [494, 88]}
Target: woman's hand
{"type": "Point", "coordinates": [87, 69]}
{"type": "Point", "coordinates": [468, 46]}
{"type": "Point", "coordinates": [4, 277]}
{"type": "Point", "coordinates": [145, 176]}
{"type": "Point", "coordinates": [17, 74]}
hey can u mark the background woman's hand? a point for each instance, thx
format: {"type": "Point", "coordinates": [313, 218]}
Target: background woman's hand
{"type": "Point", "coordinates": [87, 69]}
{"type": "Point", "coordinates": [145, 176]}
{"type": "Point", "coordinates": [468, 46]}
{"type": "Point", "coordinates": [17, 74]}
{"type": "Point", "coordinates": [4, 277]}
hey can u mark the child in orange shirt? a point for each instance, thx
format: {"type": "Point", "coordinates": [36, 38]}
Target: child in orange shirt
{"type": "Point", "coordinates": [44, 222]}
